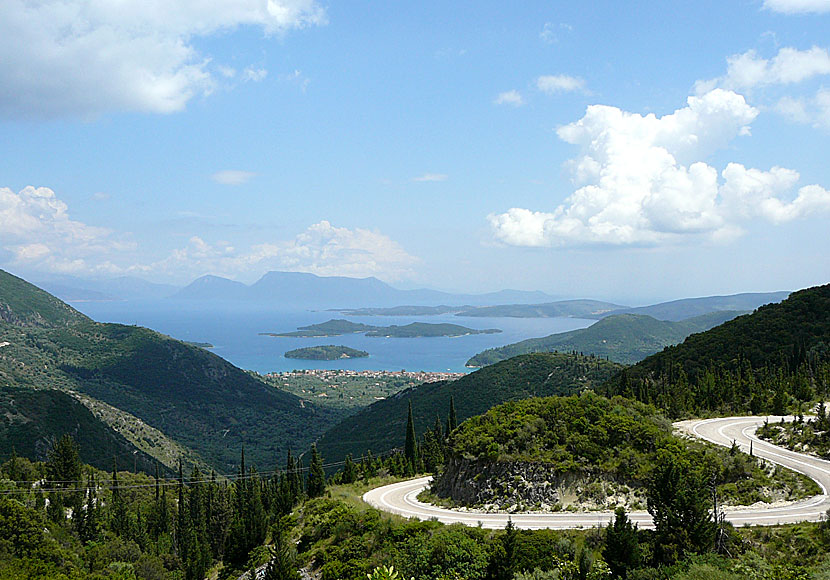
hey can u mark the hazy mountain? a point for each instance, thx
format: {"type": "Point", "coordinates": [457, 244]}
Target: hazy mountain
{"type": "Point", "coordinates": [76, 289]}
{"type": "Point", "coordinates": [689, 307]}
{"type": "Point", "coordinates": [310, 290]}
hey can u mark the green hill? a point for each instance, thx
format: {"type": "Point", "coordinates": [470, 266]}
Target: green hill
{"type": "Point", "coordinates": [425, 329]}
{"type": "Point", "coordinates": [381, 426]}
{"type": "Point", "coordinates": [31, 420]}
{"type": "Point", "coordinates": [574, 308]}
{"type": "Point", "coordinates": [624, 338]}
{"type": "Point", "coordinates": [24, 304]}
{"type": "Point", "coordinates": [758, 362]}
{"type": "Point", "coordinates": [325, 352]}
{"type": "Point", "coordinates": [189, 394]}
{"type": "Point", "coordinates": [534, 450]}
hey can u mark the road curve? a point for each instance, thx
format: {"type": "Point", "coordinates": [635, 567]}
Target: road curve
{"type": "Point", "coordinates": [401, 498]}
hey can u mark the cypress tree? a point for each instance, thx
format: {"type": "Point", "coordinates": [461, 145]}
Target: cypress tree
{"type": "Point", "coordinates": [316, 485]}
{"type": "Point", "coordinates": [410, 449]}
{"type": "Point", "coordinates": [622, 548]}
{"type": "Point", "coordinates": [453, 420]}
{"type": "Point", "coordinates": [349, 470]}
{"type": "Point", "coordinates": [119, 518]}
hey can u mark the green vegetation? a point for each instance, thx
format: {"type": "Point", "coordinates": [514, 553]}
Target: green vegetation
{"type": "Point", "coordinates": [25, 305]}
{"type": "Point", "coordinates": [197, 398]}
{"type": "Point", "coordinates": [413, 330]}
{"type": "Point", "coordinates": [199, 344]}
{"type": "Point", "coordinates": [380, 427]}
{"type": "Point", "coordinates": [617, 440]}
{"type": "Point", "coordinates": [763, 362]}
{"type": "Point", "coordinates": [32, 420]}
{"type": "Point", "coordinates": [807, 436]}
{"type": "Point", "coordinates": [334, 327]}
{"type": "Point", "coordinates": [623, 338]}
{"type": "Point", "coordinates": [326, 352]}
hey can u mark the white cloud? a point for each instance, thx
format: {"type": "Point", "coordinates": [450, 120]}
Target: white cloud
{"type": "Point", "coordinates": [232, 177]}
{"type": "Point", "coordinates": [85, 58]}
{"type": "Point", "coordinates": [644, 180]}
{"type": "Point", "coordinates": [431, 177]}
{"type": "Point", "coordinates": [813, 111]}
{"type": "Point", "coordinates": [798, 6]}
{"type": "Point", "coordinates": [255, 75]}
{"type": "Point", "coordinates": [552, 84]}
{"type": "Point", "coordinates": [321, 249]}
{"type": "Point", "coordinates": [790, 66]}
{"type": "Point", "coordinates": [36, 230]}
{"type": "Point", "coordinates": [513, 98]}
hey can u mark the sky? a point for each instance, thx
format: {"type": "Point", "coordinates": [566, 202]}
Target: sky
{"type": "Point", "coordinates": [628, 151]}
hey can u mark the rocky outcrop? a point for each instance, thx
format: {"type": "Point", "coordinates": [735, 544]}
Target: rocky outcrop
{"type": "Point", "coordinates": [504, 484]}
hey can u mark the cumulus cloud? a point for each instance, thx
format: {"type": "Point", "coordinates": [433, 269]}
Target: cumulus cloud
{"type": "Point", "coordinates": [790, 66]}
{"type": "Point", "coordinates": [643, 180]}
{"type": "Point", "coordinates": [322, 249]}
{"type": "Point", "coordinates": [36, 230]}
{"type": "Point", "coordinates": [552, 84]}
{"type": "Point", "coordinates": [813, 110]}
{"type": "Point", "coordinates": [431, 177]}
{"type": "Point", "coordinates": [798, 6]}
{"type": "Point", "coordinates": [86, 58]}
{"type": "Point", "coordinates": [513, 98]}
{"type": "Point", "coordinates": [232, 177]}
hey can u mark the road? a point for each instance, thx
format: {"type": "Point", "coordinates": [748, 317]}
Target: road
{"type": "Point", "coordinates": [401, 498]}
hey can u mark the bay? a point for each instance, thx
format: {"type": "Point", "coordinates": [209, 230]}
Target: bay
{"type": "Point", "coordinates": [233, 328]}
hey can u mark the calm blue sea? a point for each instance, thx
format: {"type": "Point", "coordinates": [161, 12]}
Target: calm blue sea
{"type": "Point", "coordinates": [233, 328]}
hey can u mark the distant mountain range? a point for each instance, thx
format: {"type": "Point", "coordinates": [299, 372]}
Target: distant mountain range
{"type": "Point", "coordinates": [302, 289]}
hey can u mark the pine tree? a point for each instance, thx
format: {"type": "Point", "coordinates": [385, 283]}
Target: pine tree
{"type": "Point", "coordinates": [316, 485]}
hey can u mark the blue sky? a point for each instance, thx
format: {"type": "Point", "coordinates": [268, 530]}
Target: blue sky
{"type": "Point", "coordinates": [600, 149]}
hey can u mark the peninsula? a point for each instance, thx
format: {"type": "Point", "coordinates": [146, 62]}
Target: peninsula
{"type": "Point", "coordinates": [339, 327]}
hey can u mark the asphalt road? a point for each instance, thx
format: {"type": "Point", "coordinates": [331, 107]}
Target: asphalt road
{"type": "Point", "coordinates": [401, 498]}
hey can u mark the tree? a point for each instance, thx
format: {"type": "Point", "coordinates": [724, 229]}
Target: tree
{"type": "Point", "coordinates": [316, 485]}
{"type": "Point", "coordinates": [349, 470]}
{"type": "Point", "coordinates": [410, 449]}
{"type": "Point", "coordinates": [452, 423]}
{"type": "Point", "coordinates": [63, 473]}
{"type": "Point", "coordinates": [622, 548]}
{"type": "Point", "coordinates": [503, 561]}
{"type": "Point", "coordinates": [678, 502]}
{"type": "Point", "coordinates": [282, 564]}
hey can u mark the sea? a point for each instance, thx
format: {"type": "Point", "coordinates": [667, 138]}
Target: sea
{"type": "Point", "coordinates": [233, 328]}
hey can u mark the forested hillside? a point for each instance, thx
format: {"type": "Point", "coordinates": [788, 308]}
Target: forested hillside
{"type": "Point", "coordinates": [756, 363]}
{"type": "Point", "coordinates": [380, 427]}
{"type": "Point", "coordinates": [188, 393]}
{"type": "Point", "coordinates": [623, 338]}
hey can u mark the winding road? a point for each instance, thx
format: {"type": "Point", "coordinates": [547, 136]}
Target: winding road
{"type": "Point", "coordinates": [401, 498]}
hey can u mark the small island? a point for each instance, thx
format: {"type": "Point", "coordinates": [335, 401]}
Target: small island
{"type": "Point", "coordinates": [414, 330]}
{"type": "Point", "coordinates": [326, 352]}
